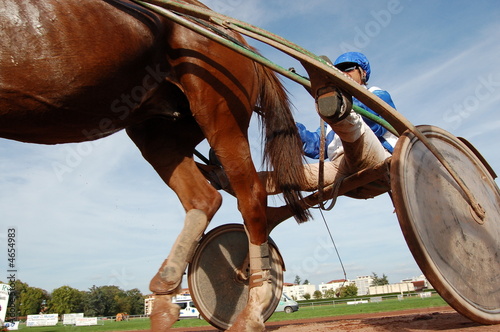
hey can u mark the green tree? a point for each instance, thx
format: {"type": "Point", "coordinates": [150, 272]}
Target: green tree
{"type": "Point", "coordinates": [97, 301]}
{"type": "Point", "coordinates": [317, 295]}
{"type": "Point", "coordinates": [306, 296]}
{"type": "Point", "coordinates": [329, 294]}
{"type": "Point", "coordinates": [91, 302]}
{"type": "Point", "coordinates": [17, 288]}
{"type": "Point", "coordinates": [66, 300]}
{"type": "Point", "coordinates": [379, 281]}
{"type": "Point", "coordinates": [122, 304]}
{"type": "Point", "coordinates": [105, 301]}
{"type": "Point", "coordinates": [136, 300]}
{"type": "Point", "coordinates": [306, 282]}
{"type": "Point", "coordinates": [297, 280]}
{"type": "Point", "coordinates": [348, 291]}
{"type": "Point", "coordinates": [113, 296]}
{"type": "Point", "coordinates": [31, 300]}
{"type": "Point", "coordinates": [94, 302]}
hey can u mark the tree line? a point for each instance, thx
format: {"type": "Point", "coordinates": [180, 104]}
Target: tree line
{"type": "Point", "coordinates": [97, 301]}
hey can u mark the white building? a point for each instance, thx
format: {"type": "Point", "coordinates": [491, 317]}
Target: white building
{"type": "Point", "coordinates": [297, 292]}
{"type": "Point", "coordinates": [363, 283]}
{"type": "Point", "coordinates": [415, 284]}
{"type": "Point", "coordinates": [420, 283]}
{"type": "Point", "coordinates": [148, 304]}
{"type": "Point", "coordinates": [392, 288]}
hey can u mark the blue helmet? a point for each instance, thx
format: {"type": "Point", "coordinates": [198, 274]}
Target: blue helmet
{"type": "Point", "coordinates": [357, 58]}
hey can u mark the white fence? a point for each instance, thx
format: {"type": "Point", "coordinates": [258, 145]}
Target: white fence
{"type": "Point", "coordinates": [367, 299]}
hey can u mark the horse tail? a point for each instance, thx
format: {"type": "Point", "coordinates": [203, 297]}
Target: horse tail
{"type": "Point", "coordinates": [283, 151]}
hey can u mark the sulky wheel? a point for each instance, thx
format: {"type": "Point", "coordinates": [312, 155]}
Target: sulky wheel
{"type": "Point", "coordinates": [219, 291]}
{"type": "Point", "coordinates": [458, 252]}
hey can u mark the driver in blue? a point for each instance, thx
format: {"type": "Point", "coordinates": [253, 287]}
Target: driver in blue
{"type": "Point", "coordinates": [353, 142]}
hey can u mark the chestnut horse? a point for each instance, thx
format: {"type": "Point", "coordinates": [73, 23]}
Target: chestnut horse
{"type": "Point", "coordinates": [74, 71]}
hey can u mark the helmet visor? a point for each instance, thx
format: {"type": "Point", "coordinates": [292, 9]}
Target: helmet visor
{"type": "Point", "coordinates": [347, 66]}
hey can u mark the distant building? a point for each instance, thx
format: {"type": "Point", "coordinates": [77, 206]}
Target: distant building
{"type": "Point", "coordinates": [392, 288]}
{"type": "Point", "coordinates": [421, 283]}
{"type": "Point", "coordinates": [363, 283]}
{"type": "Point", "coordinates": [148, 304]}
{"type": "Point", "coordinates": [297, 292]}
{"type": "Point", "coordinates": [416, 284]}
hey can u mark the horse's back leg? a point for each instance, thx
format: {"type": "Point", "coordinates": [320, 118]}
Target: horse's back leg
{"type": "Point", "coordinates": [231, 146]}
{"type": "Point", "coordinates": [252, 202]}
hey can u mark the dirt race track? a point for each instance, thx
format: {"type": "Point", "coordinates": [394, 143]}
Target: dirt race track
{"type": "Point", "coordinates": [421, 320]}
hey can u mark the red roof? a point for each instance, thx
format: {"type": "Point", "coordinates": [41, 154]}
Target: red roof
{"type": "Point", "coordinates": [336, 281]}
{"type": "Point", "coordinates": [185, 291]}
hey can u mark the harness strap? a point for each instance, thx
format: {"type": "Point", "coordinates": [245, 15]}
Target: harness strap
{"type": "Point", "coordinates": [259, 278]}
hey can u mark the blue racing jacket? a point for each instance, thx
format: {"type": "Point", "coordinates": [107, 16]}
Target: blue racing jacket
{"type": "Point", "coordinates": [311, 140]}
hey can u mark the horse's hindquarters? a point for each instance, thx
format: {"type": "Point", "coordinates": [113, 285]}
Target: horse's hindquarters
{"type": "Point", "coordinates": [74, 73]}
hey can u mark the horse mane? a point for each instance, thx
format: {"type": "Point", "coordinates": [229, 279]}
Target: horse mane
{"type": "Point", "coordinates": [283, 153]}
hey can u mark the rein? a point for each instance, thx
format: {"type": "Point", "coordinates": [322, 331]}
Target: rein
{"type": "Point", "coordinates": [321, 173]}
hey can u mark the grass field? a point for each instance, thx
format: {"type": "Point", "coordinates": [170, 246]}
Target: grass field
{"type": "Point", "coordinates": [306, 310]}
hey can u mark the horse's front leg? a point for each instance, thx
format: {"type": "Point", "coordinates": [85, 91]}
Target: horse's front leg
{"type": "Point", "coordinates": [167, 282]}
{"type": "Point", "coordinates": [159, 144]}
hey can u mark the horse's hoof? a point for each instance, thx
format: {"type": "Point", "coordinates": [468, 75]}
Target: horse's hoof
{"type": "Point", "coordinates": [165, 313]}
{"type": "Point", "coordinates": [247, 326]}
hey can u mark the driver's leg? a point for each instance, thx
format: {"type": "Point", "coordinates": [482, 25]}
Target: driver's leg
{"type": "Point", "coordinates": [360, 147]}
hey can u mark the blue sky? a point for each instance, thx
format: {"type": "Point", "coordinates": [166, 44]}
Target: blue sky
{"type": "Point", "coordinates": [112, 221]}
